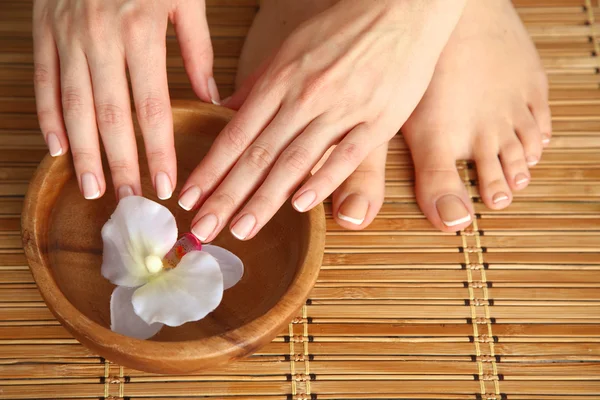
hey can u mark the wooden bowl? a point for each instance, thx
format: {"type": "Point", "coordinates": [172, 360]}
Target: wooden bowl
{"type": "Point", "coordinates": [61, 237]}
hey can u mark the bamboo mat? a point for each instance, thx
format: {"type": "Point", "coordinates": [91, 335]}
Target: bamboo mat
{"type": "Point", "coordinates": [509, 309]}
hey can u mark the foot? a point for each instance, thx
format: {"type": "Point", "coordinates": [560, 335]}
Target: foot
{"type": "Point", "coordinates": [487, 102]}
{"type": "Point", "coordinates": [358, 200]}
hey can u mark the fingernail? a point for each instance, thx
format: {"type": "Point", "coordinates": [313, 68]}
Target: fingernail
{"type": "Point", "coordinates": [531, 161]}
{"type": "Point", "coordinates": [498, 197]}
{"type": "Point", "coordinates": [213, 91]}
{"type": "Point", "coordinates": [125, 191]}
{"type": "Point", "coordinates": [225, 101]}
{"type": "Point", "coordinates": [89, 184]}
{"type": "Point", "coordinates": [452, 210]}
{"type": "Point", "coordinates": [189, 198]}
{"type": "Point", "coordinates": [54, 146]}
{"type": "Point", "coordinates": [164, 188]}
{"type": "Point", "coordinates": [305, 200]}
{"type": "Point", "coordinates": [205, 227]}
{"type": "Point", "coordinates": [354, 209]}
{"type": "Point", "coordinates": [244, 226]}
{"type": "Point", "coordinates": [521, 179]}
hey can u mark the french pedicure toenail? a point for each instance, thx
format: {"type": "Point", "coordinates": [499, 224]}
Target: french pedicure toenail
{"type": "Point", "coordinates": [499, 197]}
{"type": "Point", "coordinates": [205, 227]}
{"type": "Point", "coordinates": [189, 198]}
{"type": "Point", "coordinates": [125, 191]}
{"type": "Point", "coordinates": [89, 186]}
{"type": "Point", "coordinates": [452, 210]}
{"type": "Point", "coordinates": [54, 146]}
{"type": "Point", "coordinates": [532, 161]}
{"type": "Point", "coordinates": [164, 188]}
{"type": "Point", "coordinates": [244, 226]}
{"type": "Point", "coordinates": [546, 140]}
{"type": "Point", "coordinates": [354, 209]}
{"type": "Point", "coordinates": [520, 179]}
{"type": "Point", "coordinates": [305, 200]}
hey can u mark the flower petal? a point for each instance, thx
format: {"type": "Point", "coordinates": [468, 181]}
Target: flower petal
{"type": "Point", "coordinates": [230, 264]}
{"type": "Point", "coordinates": [138, 228]}
{"type": "Point", "coordinates": [124, 320]}
{"type": "Point", "coordinates": [186, 293]}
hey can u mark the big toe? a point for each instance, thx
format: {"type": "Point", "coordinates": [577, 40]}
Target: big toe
{"type": "Point", "coordinates": [358, 200]}
{"type": "Point", "coordinates": [441, 193]}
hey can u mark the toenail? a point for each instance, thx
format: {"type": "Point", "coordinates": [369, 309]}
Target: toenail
{"type": "Point", "coordinates": [521, 179]}
{"type": "Point", "coordinates": [499, 197]}
{"type": "Point", "coordinates": [452, 210]}
{"type": "Point", "coordinates": [531, 161]}
{"type": "Point", "coordinates": [546, 140]}
{"type": "Point", "coordinates": [354, 209]}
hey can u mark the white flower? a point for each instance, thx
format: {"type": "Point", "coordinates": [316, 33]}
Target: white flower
{"type": "Point", "coordinates": [160, 282]}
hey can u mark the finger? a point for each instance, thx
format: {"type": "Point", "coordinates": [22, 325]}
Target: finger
{"type": "Point", "coordinates": [80, 120]}
{"type": "Point", "coordinates": [241, 94]}
{"type": "Point", "coordinates": [231, 143]}
{"type": "Point", "coordinates": [47, 83]}
{"type": "Point", "coordinates": [344, 159]}
{"type": "Point", "coordinates": [193, 35]}
{"type": "Point", "coordinates": [113, 114]}
{"type": "Point", "coordinates": [245, 177]}
{"type": "Point", "coordinates": [146, 59]}
{"type": "Point", "coordinates": [292, 167]}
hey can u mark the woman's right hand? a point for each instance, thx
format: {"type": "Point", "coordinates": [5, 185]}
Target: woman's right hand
{"type": "Point", "coordinates": [82, 49]}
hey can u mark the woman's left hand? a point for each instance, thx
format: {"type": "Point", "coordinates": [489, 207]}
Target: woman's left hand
{"type": "Point", "coordinates": [349, 77]}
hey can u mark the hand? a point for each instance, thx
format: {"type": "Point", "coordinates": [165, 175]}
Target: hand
{"type": "Point", "coordinates": [82, 49]}
{"type": "Point", "coordinates": [351, 76]}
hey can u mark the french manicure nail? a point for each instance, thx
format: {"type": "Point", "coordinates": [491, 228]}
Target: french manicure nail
{"type": "Point", "coordinates": [354, 209]}
{"type": "Point", "coordinates": [125, 191]}
{"type": "Point", "coordinates": [305, 200]}
{"type": "Point", "coordinates": [243, 227]}
{"type": "Point", "coordinates": [54, 146]}
{"type": "Point", "coordinates": [452, 210]}
{"type": "Point", "coordinates": [213, 91]}
{"type": "Point", "coordinates": [521, 179]}
{"type": "Point", "coordinates": [499, 197]}
{"type": "Point", "coordinates": [531, 161]}
{"type": "Point", "coordinates": [546, 140]}
{"type": "Point", "coordinates": [189, 198]}
{"type": "Point", "coordinates": [205, 227]}
{"type": "Point", "coordinates": [90, 187]}
{"type": "Point", "coordinates": [164, 187]}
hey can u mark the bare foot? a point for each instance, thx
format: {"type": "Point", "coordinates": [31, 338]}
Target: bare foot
{"type": "Point", "coordinates": [487, 102]}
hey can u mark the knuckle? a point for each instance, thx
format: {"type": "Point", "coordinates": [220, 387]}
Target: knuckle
{"type": "Point", "coordinates": [110, 115]}
{"type": "Point", "coordinates": [41, 75]}
{"type": "Point", "coordinates": [224, 201]}
{"type": "Point", "coordinates": [236, 138]}
{"type": "Point", "coordinates": [312, 87]}
{"type": "Point", "coordinates": [158, 156]}
{"type": "Point", "coordinates": [263, 203]}
{"type": "Point", "coordinates": [72, 101]}
{"type": "Point", "coordinates": [83, 156]}
{"type": "Point", "coordinates": [120, 167]}
{"type": "Point", "coordinates": [350, 153]}
{"type": "Point", "coordinates": [259, 157]}
{"type": "Point", "coordinates": [295, 158]}
{"type": "Point", "coordinates": [135, 23]}
{"type": "Point", "coordinates": [152, 110]}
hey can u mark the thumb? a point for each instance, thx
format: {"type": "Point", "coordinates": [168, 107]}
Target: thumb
{"type": "Point", "coordinates": [193, 36]}
{"type": "Point", "coordinates": [241, 94]}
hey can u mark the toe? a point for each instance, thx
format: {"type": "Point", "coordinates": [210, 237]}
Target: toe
{"type": "Point", "coordinates": [540, 109]}
{"type": "Point", "coordinates": [358, 200]}
{"type": "Point", "coordinates": [530, 136]}
{"type": "Point", "coordinates": [440, 191]}
{"type": "Point", "coordinates": [514, 165]}
{"type": "Point", "coordinates": [493, 188]}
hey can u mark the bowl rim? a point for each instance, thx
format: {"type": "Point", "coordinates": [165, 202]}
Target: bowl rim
{"type": "Point", "coordinates": [233, 344]}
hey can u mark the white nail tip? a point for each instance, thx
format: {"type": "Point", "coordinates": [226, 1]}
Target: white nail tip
{"type": "Point", "coordinates": [498, 200]}
{"type": "Point", "coordinates": [354, 221]}
{"type": "Point", "coordinates": [184, 207]}
{"type": "Point", "coordinates": [238, 237]}
{"type": "Point", "coordinates": [57, 153]}
{"type": "Point", "coordinates": [458, 221]}
{"type": "Point", "coordinates": [95, 196]}
{"type": "Point", "coordinates": [216, 103]}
